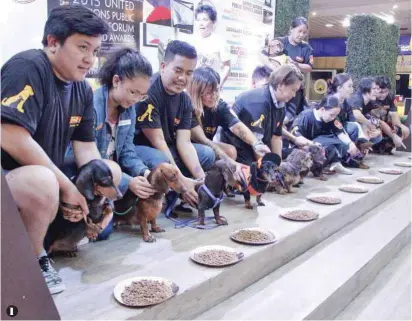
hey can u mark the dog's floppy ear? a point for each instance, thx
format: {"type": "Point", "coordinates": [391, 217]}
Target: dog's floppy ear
{"type": "Point", "coordinates": [85, 182]}
{"type": "Point", "coordinates": [272, 157]}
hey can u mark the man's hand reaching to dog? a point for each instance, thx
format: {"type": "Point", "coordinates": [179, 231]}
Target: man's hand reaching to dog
{"type": "Point", "coordinates": [141, 187]}
{"type": "Point", "coordinates": [69, 194]}
{"type": "Point", "coordinates": [190, 196]}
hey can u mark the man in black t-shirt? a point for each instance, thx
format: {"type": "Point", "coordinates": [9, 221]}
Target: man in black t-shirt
{"type": "Point", "coordinates": [164, 120]}
{"type": "Point", "coordinates": [386, 111]}
{"type": "Point", "coordinates": [362, 103]}
{"type": "Point", "coordinates": [45, 104]}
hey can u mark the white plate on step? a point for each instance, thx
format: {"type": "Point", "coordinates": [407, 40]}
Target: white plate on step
{"type": "Point", "coordinates": [121, 286]}
{"type": "Point", "coordinates": [391, 171]}
{"type": "Point", "coordinates": [238, 256]}
{"type": "Point", "coordinates": [272, 236]}
{"type": "Point", "coordinates": [403, 164]}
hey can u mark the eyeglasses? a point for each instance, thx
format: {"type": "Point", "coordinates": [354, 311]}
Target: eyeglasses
{"type": "Point", "coordinates": [211, 94]}
{"type": "Point", "coordinates": [135, 94]}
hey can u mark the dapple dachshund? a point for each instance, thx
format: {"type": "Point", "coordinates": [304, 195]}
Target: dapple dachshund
{"type": "Point", "coordinates": [142, 211]}
{"type": "Point", "coordinates": [289, 171]}
{"type": "Point", "coordinates": [95, 182]}
{"type": "Point", "coordinates": [217, 179]}
{"type": "Point", "coordinates": [317, 153]}
{"type": "Point", "coordinates": [258, 178]}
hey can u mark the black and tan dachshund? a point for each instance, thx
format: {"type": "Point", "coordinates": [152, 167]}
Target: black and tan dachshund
{"type": "Point", "coordinates": [318, 155]}
{"type": "Point", "coordinates": [95, 182]}
{"type": "Point", "coordinates": [217, 179]}
{"type": "Point", "coordinates": [261, 174]}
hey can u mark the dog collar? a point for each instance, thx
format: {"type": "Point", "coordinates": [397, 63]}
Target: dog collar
{"type": "Point", "coordinates": [216, 200]}
{"type": "Point", "coordinates": [281, 179]}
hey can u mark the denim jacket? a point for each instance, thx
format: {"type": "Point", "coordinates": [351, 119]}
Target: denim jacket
{"type": "Point", "coordinates": [127, 158]}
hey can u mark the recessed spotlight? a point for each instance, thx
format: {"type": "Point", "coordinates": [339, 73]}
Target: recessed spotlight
{"type": "Point", "coordinates": [395, 6]}
{"type": "Point", "coordinates": [314, 13]}
{"type": "Point", "coordinates": [329, 25]}
{"type": "Point", "coordinates": [346, 22]}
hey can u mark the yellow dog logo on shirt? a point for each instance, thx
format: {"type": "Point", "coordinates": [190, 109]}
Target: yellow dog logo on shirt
{"type": "Point", "coordinates": [147, 114]}
{"type": "Point", "coordinates": [258, 122]}
{"type": "Point", "coordinates": [19, 99]}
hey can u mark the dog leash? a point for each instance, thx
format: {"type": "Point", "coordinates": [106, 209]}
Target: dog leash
{"type": "Point", "coordinates": [171, 199]}
{"type": "Point", "coordinates": [128, 210]}
{"type": "Point", "coordinates": [281, 179]}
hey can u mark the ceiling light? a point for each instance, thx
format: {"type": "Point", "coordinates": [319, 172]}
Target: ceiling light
{"type": "Point", "coordinates": [329, 25]}
{"type": "Point", "coordinates": [314, 13]}
{"type": "Point", "coordinates": [395, 6]}
{"type": "Point", "coordinates": [346, 22]}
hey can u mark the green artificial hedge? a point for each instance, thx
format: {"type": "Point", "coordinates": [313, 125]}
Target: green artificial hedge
{"type": "Point", "coordinates": [286, 12]}
{"type": "Point", "coordinates": [372, 48]}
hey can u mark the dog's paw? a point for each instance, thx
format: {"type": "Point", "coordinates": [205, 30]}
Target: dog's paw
{"type": "Point", "coordinates": [249, 206]}
{"type": "Point", "coordinates": [149, 238]}
{"type": "Point", "coordinates": [221, 221]}
{"type": "Point", "coordinates": [322, 178]}
{"type": "Point", "coordinates": [261, 204]}
{"type": "Point", "coordinates": [71, 254]}
{"type": "Point", "coordinates": [157, 229]}
{"type": "Point", "coordinates": [297, 185]}
{"type": "Point", "coordinates": [282, 192]}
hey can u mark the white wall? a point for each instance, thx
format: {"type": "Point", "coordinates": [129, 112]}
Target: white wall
{"type": "Point", "coordinates": [21, 26]}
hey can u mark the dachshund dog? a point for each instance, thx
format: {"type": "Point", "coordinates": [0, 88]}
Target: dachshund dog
{"type": "Point", "coordinates": [142, 211]}
{"type": "Point", "coordinates": [95, 182]}
{"type": "Point", "coordinates": [317, 153]}
{"type": "Point", "coordinates": [289, 171]}
{"type": "Point", "coordinates": [258, 177]}
{"type": "Point", "coordinates": [217, 179]}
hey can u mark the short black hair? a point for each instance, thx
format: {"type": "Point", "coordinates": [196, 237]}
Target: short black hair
{"type": "Point", "coordinates": [329, 102]}
{"type": "Point", "coordinates": [298, 22]}
{"type": "Point", "coordinates": [365, 85]}
{"type": "Point", "coordinates": [383, 82]}
{"type": "Point", "coordinates": [337, 81]}
{"type": "Point", "coordinates": [126, 63]}
{"type": "Point", "coordinates": [180, 48]}
{"type": "Point", "coordinates": [209, 10]}
{"type": "Point", "coordinates": [65, 21]}
{"type": "Point", "coordinates": [261, 72]}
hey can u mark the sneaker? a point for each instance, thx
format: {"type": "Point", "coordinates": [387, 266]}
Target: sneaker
{"type": "Point", "coordinates": [52, 278]}
{"type": "Point", "coordinates": [338, 168]}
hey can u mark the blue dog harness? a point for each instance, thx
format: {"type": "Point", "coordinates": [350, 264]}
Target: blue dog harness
{"type": "Point", "coordinates": [216, 201]}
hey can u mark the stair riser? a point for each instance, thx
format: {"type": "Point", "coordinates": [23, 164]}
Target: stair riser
{"type": "Point", "coordinates": [206, 295]}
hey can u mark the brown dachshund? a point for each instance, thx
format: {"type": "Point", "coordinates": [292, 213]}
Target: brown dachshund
{"type": "Point", "coordinates": [95, 182]}
{"type": "Point", "coordinates": [142, 211]}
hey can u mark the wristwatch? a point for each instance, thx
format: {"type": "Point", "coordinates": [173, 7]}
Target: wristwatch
{"type": "Point", "coordinates": [257, 143]}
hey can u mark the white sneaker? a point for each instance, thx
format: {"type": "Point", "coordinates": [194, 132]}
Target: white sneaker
{"type": "Point", "coordinates": [52, 278]}
{"type": "Point", "coordinates": [338, 168]}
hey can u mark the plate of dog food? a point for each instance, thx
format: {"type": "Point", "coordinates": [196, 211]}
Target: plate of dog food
{"type": "Point", "coordinates": [370, 180]}
{"type": "Point", "coordinates": [353, 189]}
{"type": "Point", "coordinates": [254, 236]}
{"type": "Point", "coordinates": [390, 171]}
{"type": "Point", "coordinates": [216, 256]}
{"type": "Point", "coordinates": [322, 199]}
{"type": "Point", "coordinates": [300, 215]}
{"type": "Point", "coordinates": [403, 164]}
{"type": "Point", "coordinates": [144, 291]}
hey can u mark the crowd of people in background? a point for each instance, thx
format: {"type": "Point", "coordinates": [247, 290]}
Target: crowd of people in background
{"type": "Point", "coordinates": [53, 123]}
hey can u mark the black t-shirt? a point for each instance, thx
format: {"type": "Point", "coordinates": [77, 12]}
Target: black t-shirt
{"type": "Point", "coordinates": [220, 116]}
{"type": "Point", "coordinates": [346, 113]}
{"type": "Point", "coordinates": [388, 103]}
{"type": "Point", "coordinates": [308, 126]}
{"type": "Point", "coordinates": [356, 102]}
{"type": "Point", "coordinates": [52, 111]}
{"type": "Point", "coordinates": [257, 110]}
{"type": "Point", "coordinates": [301, 53]}
{"type": "Point", "coordinates": [161, 110]}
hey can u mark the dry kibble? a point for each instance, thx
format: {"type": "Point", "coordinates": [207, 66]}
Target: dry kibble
{"type": "Point", "coordinates": [146, 292]}
{"type": "Point", "coordinates": [370, 180]}
{"type": "Point", "coordinates": [216, 257]}
{"type": "Point", "coordinates": [300, 215]}
{"type": "Point", "coordinates": [325, 200]}
{"type": "Point", "coordinates": [391, 171]}
{"type": "Point", "coordinates": [252, 236]}
{"type": "Point", "coordinates": [353, 189]}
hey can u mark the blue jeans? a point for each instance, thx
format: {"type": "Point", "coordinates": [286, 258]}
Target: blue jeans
{"type": "Point", "coordinates": [153, 157]}
{"type": "Point", "coordinates": [355, 132]}
{"type": "Point", "coordinates": [335, 149]}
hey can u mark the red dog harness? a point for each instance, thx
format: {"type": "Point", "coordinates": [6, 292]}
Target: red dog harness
{"type": "Point", "coordinates": [247, 176]}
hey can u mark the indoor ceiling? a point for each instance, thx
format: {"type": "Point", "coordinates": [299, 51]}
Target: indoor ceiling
{"type": "Point", "coordinates": [326, 16]}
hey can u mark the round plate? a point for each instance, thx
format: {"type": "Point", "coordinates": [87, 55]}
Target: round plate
{"type": "Point", "coordinates": [199, 250]}
{"type": "Point", "coordinates": [403, 164]}
{"type": "Point", "coordinates": [323, 199]}
{"type": "Point", "coordinates": [359, 189]}
{"type": "Point", "coordinates": [272, 236]}
{"type": "Point", "coordinates": [370, 180]}
{"type": "Point", "coordinates": [290, 215]}
{"type": "Point", "coordinates": [120, 287]}
{"type": "Point", "coordinates": [390, 171]}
